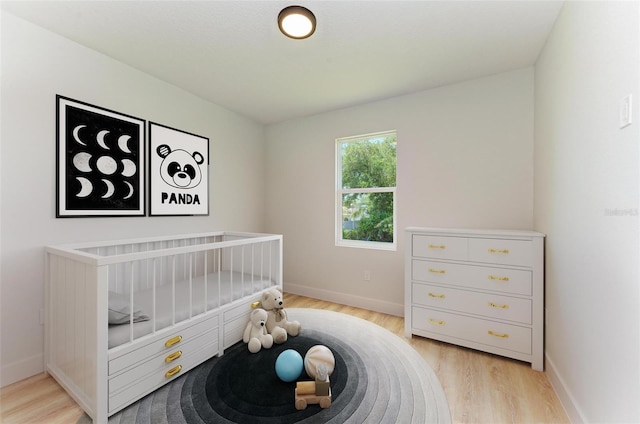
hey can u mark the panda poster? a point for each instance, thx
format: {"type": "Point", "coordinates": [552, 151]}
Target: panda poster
{"type": "Point", "coordinates": [100, 161]}
{"type": "Point", "coordinates": [178, 172]}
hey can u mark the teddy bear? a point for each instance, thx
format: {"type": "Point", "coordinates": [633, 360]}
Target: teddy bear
{"type": "Point", "coordinates": [255, 333]}
{"type": "Point", "coordinates": [278, 324]}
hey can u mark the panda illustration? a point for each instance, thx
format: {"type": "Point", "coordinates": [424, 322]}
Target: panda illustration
{"type": "Point", "coordinates": [180, 169]}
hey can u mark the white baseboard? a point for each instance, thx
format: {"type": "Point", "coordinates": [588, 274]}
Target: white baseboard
{"type": "Point", "coordinates": [564, 394]}
{"type": "Point", "coordinates": [347, 299]}
{"type": "Point", "coordinates": [22, 369]}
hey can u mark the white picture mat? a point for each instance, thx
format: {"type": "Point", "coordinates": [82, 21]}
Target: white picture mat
{"type": "Point", "coordinates": [167, 199]}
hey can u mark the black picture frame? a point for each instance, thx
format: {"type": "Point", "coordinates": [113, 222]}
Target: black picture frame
{"type": "Point", "coordinates": [100, 163]}
{"type": "Point", "coordinates": [178, 172]}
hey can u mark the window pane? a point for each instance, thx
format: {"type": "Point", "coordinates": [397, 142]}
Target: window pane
{"type": "Point", "coordinates": [367, 217]}
{"type": "Point", "coordinates": [369, 164]}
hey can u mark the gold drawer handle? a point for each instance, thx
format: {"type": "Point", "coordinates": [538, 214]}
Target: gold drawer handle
{"type": "Point", "coordinates": [173, 356]}
{"type": "Point", "coordinates": [495, 305]}
{"type": "Point", "coordinates": [437, 246]}
{"type": "Point", "coordinates": [437, 271]}
{"type": "Point", "coordinates": [502, 251]}
{"type": "Point", "coordinates": [173, 371]}
{"type": "Point", "coordinates": [436, 322]}
{"type": "Point", "coordinates": [500, 335]}
{"type": "Point", "coordinates": [436, 296]}
{"type": "Point", "coordinates": [494, 278]}
{"type": "Point", "coordinates": [172, 341]}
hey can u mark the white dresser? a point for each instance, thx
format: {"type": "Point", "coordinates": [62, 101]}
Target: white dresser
{"type": "Point", "coordinates": [483, 289]}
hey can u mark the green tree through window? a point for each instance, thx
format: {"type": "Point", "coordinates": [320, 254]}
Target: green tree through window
{"type": "Point", "coordinates": [366, 172]}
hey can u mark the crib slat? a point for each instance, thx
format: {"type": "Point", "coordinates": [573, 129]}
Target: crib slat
{"type": "Point", "coordinates": [154, 298]}
{"type": "Point", "coordinates": [206, 281]}
{"type": "Point", "coordinates": [173, 292]}
{"type": "Point", "coordinates": [242, 270]}
{"type": "Point", "coordinates": [219, 269]}
{"type": "Point", "coordinates": [190, 286]}
{"type": "Point", "coordinates": [131, 303]}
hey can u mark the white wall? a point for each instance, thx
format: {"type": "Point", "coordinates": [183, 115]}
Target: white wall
{"type": "Point", "coordinates": [586, 201]}
{"type": "Point", "coordinates": [465, 159]}
{"type": "Point", "coordinates": [37, 65]}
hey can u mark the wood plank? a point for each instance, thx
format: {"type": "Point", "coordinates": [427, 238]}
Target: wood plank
{"type": "Point", "coordinates": [479, 387]}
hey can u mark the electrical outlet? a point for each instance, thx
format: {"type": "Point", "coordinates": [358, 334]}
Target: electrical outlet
{"type": "Point", "coordinates": [546, 317]}
{"type": "Point", "coordinates": [625, 111]}
{"type": "Point", "coordinates": [367, 275]}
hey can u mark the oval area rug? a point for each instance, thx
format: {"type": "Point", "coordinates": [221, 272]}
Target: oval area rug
{"type": "Point", "coordinates": [378, 378]}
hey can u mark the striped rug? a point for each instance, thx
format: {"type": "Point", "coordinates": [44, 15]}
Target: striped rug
{"type": "Point", "coordinates": [378, 378]}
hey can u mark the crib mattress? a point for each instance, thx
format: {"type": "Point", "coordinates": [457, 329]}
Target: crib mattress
{"type": "Point", "coordinates": [185, 299]}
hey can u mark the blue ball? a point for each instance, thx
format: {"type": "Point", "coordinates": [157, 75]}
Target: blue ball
{"type": "Point", "coordinates": [289, 365]}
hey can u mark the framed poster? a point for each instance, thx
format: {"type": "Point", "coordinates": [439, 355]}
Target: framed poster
{"type": "Point", "coordinates": [100, 161]}
{"type": "Point", "coordinates": [178, 172]}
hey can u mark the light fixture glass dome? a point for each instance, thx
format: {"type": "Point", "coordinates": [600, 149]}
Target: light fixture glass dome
{"type": "Point", "coordinates": [296, 22]}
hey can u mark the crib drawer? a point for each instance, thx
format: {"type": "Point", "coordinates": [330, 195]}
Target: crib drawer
{"type": "Point", "coordinates": [142, 385]}
{"type": "Point", "coordinates": [164, 361]}
{"type": "Point", "coordinates": [233, 330]}
{"type": "Point", "coordinates": [235, 320]}
{"type": "Point", "coordinates": [239, 310]}
{"type": "Point", "coordinates": [161, 345]}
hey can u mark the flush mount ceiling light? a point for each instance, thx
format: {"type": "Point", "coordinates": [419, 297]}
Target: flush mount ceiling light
{"type": "Point", "coordinates": [296, 22]}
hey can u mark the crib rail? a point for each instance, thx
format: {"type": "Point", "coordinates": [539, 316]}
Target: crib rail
{"type": "Point", "coordinates": [168, 280]}
{"type": "Point", "coordinates": [117, 251]}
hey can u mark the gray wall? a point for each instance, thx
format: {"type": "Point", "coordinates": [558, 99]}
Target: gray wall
{"type": "Point", "coordinates": [37, 65]}
{"type": "Point", "coordinates": [465, 159]}
{"type": "Point", "coordinates": [586, 201]}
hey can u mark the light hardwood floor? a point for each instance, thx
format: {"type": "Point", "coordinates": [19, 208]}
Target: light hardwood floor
{"type": "Point", "coordinates": [479, 387]}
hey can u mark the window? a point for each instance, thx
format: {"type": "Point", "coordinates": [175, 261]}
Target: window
{"type": "Point", "coordinates": [366, 191]}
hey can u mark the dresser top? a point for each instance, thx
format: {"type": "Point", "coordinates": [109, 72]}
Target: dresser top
{"type": "Point", "coordinates": [474, 232]}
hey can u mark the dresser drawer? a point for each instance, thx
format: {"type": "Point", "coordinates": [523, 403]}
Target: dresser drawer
{"type": "Point", "coordinates": [485, 332]}
{"type": "Point", "coordinates": [510, 281]}
{"type": "Point", "coordinates": [161, 345]}
{"type": "Point", "coordinates": [500, 251]}
{"type": "Point", "coordinates": [438, 247]}
{"type": "Point", "coordinates": [142, 386]}
{"type": "Point", "coordinates": [484, 304]}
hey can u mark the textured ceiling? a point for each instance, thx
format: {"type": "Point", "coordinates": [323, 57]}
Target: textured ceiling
{"type": "Point", "coordinates": [232, 54]}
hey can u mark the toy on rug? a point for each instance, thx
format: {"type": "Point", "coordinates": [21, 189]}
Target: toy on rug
{"type": "Point", "coordinates": [319, 363]}
{"type": "Point", "coordinates": [316, 357]}
{"type": "Point", "coordinates": [255, 333]}
{"type": "Point", "coordinates": [289, 365]}
{"type": "Point", "coordinates": [278, 324]}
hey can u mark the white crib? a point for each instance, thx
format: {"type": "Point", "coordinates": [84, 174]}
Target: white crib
{"type": "Point", "coordinates": [125, 317]}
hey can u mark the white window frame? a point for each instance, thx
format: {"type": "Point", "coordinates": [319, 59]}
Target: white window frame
{"type": "Point", "coordinates": [362, 244]}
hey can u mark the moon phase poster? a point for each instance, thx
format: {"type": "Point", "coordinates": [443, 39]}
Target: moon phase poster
{"type": "Point", "coordinates": [100, 161]}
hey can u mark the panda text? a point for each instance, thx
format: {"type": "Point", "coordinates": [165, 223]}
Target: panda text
{"type": "Point", "coordinates": [180, 198]}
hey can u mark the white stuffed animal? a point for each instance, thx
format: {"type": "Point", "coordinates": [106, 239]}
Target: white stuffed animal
{"type": "Point", "coordinates": [278, 324]}
{"type": "Point", "coordinates": [255, 333]}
